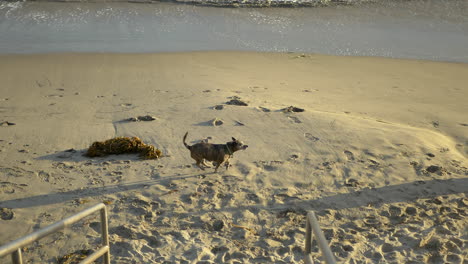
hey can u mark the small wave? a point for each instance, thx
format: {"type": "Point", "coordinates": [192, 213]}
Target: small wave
{"type": "Point", "coordinates": [10, 6]}
{"type": "Point", "coordinates": [254, 3]}
{"type": "Point", "coordinates": [260, 3]}
{"type": "Point", "coordinates": [213, 3]}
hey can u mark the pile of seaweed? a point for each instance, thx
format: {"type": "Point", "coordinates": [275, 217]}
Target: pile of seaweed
{"type": "Point", "coordinates": [121, 145]}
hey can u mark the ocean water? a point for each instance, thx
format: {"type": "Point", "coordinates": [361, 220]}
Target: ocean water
{"type": "Point", "coordinates": [417, 29]}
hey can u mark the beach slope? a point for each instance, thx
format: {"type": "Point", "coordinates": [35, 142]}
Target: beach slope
{"type": "Point", "coordinates": [376, 147]}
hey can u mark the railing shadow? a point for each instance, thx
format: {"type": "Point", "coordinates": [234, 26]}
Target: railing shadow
{"type": "Point", "coordinates": [59, 197]}
{"type": "Point", "coordinates": [405, 192]}
{"type": "Point", "coordinates": [388, 194]}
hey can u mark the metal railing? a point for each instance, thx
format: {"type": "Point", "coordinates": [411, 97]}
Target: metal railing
{"type": "Point", "coordinates": [14, 247]}
{"type": "Point", "coordinates": [312, 227]}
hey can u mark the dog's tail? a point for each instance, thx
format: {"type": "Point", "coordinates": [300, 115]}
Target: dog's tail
{"type": "Point", "coordinates": [185, 144]}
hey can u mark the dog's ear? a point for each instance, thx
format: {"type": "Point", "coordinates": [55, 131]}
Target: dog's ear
{"type": "Point", "coordinates": [233, 139]}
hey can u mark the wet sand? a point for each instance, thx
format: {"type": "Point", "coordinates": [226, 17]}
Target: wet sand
{"type": "Point", "coordinates": [379, 153]}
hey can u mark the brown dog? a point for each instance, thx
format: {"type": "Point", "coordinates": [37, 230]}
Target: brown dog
{"type": "Point", "coordinates": [218, 153]}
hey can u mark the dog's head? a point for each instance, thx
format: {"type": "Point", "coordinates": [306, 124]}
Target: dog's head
{"type": "Point", "coordinates": [237, 145]}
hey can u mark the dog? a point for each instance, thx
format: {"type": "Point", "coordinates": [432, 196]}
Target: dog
{"type": "Point", "coordinates": [217, 153]}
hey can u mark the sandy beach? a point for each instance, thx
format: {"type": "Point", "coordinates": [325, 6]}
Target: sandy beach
{"type": "Point", "coordinates": [379, 153]}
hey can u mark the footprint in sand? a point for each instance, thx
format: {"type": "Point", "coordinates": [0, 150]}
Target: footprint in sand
{"type": "Point", "coordinates": [294, 119]}
{"type": "Point", "coordinates": [6, 214]}
{"type": "Point", "coordinates": [44, 176]}
{"type": "Point", "coordinates": [349, 155]}
{"type": "Point", "coordinates": [311, 137]}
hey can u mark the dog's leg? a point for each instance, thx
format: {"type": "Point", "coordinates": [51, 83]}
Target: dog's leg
{"type": "Point", "coordinates": [226, 164]}
{"type": "Point", "coordinates": [204, 164]}
{"type": "Point", "coordinates": [217, 166]}
{"type": "Point", "coordinates": [198, 164]}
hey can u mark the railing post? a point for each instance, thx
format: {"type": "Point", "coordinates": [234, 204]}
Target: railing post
{"type": "Point", "coordinates": [308, 244]}
{"type": "Point", "coordinates": [17, 257]}
{"type": "Point", "coordinates": [312, 227]}
{"type": "Point", "coordinates": [105, 235]}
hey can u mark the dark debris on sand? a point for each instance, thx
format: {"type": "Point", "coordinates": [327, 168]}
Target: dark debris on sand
{"type": "Point", "coordinates": [6, 123]}
{"type": "Point", "coordinates": [291, 108]}
{"type": "Point", "coordinates": [122, 145]}
{"type": "Point", "coordinates": [236, 101]}
{"type": "Point", "coordinates": [140, 118]}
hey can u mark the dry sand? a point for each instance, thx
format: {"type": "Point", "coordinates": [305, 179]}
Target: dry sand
{"type": "Point", "coordinates": [380, 154]}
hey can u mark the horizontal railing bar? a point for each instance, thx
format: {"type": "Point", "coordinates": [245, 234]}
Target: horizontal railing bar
{"type": "Point", "coordinates": [97, 254]}
{"type": "Point", "coordinates": [322, 242]}
{"type": "Point", "coordinates": [28, 239]}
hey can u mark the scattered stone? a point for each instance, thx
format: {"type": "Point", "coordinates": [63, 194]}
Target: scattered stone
{"type": "Point", "coordinates": [434, 169]}
{"type": "Point", "coordinates": [140, 118]}
{"type": "Point", "coordinates": [239, 123]}
{"type": "Point", "coordinates": [294, 109]}
{"type": "Point", "coordinates": [352, 183]}
{"type": "Point", "coordinates": [217, 122]}
{"type": "Point", "coordinates": [435, 124]}
{"type": "Point", "coordinates": [236, 101]}
{"type": "Point", "coordinates": [6, 213]}
{"type": "Point", "coordinates": [218, 107]}
{"type": "Point", "coordinates": [430, 155]}
{"type": "Point", "coordinates": [146, 118]}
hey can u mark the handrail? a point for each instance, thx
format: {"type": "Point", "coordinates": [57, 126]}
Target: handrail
{"type": "Point", "coordinates": [312, 227]}
{"type": "Point", "coordinates": [14, 247]}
